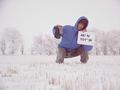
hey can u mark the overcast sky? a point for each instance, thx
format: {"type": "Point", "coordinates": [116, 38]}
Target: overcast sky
{"type": "Point", "coordinates": [32, 17]}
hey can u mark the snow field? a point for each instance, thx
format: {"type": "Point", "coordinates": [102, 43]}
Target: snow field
{"type": "Point", "coordinates": [42, 73]}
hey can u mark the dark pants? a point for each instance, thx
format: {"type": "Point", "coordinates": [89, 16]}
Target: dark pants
{"type": "Point", "coordinates": [63, 53]}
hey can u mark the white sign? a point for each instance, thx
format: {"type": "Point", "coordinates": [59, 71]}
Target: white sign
{"type": "Point", "coordinates": [86, 38]}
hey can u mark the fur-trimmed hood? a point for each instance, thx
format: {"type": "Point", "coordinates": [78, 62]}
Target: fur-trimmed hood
{"type": "Point", "coordinates": [79, 20]}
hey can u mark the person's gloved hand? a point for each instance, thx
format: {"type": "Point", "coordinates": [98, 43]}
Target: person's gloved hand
{"type": "Point", "coordinates": [57, 31]}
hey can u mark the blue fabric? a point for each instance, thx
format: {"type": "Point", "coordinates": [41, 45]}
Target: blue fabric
{"type": "Point", "coordinates": [69, 38]}
{"type": "Point", "coordinates": [87, 47]}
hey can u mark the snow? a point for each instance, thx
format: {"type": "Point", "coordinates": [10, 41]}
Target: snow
{"type": "Point", "coordinates": [42, 73]}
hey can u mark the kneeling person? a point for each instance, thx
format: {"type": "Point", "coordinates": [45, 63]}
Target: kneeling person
{"type": "Point", "coordinates": [68, 46]}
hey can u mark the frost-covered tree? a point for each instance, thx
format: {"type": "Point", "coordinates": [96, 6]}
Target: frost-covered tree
{"type": "Point", "coordinates": [106, 43]}
{"type": "Point", "coordinates": [11, 41]}
{"type": "Point", "coordinates": [114, 44]}
{"type": "Point", "coordinates": [2, 46]}
{"type": "Point", "coordinates": [44, 44]}
{"type": "Point", "coordinates": [37, 46]}
{"type": "Point", "coordinates": [97, 49]}
{"type": "Point", "coordinates": [22, 49]}
{"type": "Point", "coordinates": [50, 45]}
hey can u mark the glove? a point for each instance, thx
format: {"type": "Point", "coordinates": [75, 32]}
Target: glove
{"type": "Point", "coordinates": [57, 32]}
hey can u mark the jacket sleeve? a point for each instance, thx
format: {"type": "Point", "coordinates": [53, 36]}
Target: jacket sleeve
{"type": "Point", "coordinates": [87, 48]}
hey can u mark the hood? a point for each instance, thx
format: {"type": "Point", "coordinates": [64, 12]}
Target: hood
{"type": "Point", "coordinates": [81, 18]}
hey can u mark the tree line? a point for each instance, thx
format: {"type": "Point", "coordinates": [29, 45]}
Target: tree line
{"type": "Point", "coordinates": [12, 43]}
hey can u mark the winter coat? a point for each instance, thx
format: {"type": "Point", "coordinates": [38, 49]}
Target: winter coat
{"type": "Point", "coordinates": [69, 37]}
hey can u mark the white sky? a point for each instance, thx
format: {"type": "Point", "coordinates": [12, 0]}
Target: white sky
{"type": "Point", "coordinates": [32, 17]}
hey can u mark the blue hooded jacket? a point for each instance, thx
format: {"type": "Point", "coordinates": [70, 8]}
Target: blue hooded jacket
{"type": "Point", "coordinates": [70, 35]}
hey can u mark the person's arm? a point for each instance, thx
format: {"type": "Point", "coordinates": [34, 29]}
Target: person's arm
{"type": "Point", "coordinates": [57, 31]}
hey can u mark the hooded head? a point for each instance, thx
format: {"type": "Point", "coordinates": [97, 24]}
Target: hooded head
{"type": "Point", "coordinates": [81, 23]}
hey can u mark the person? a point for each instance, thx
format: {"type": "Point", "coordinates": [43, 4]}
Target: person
{"type": "Point", "coordinates": [68, 46]}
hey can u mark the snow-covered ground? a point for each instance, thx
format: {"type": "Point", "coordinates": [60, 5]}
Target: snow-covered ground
{"type": "Point", "coordinates": [42, 73]}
